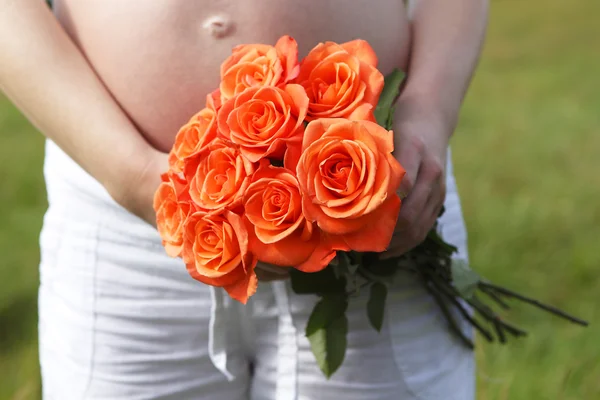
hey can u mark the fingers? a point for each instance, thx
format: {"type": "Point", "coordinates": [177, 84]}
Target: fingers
{"type": "Point", "coordinates": [409, 155]}
{"type": "Point", "coordinates": [428, 191]}
{"type": "Point", "coordinates": [414, 205]}
{"type": "Point", "coordinates": [431, 213]}
{"type": "Point", "coordinates": [419, 212]}
{"type": "Point", "coordinates": [435, 203]}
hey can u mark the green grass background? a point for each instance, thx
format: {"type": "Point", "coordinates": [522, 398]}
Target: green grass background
{"type": "Point", "coordinates": [527, 160]}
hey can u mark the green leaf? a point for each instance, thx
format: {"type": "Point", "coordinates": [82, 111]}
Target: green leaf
{"type": "Point", "coordinates": [326, 331]}
{"type": "Point", "coordinates": [389, 123]}
{"type": "Point", "coordinates": [376, 305]}
{"type": "Point", "coordinates": [329, 308]}
{"type": "Point", "coordinates": [391, 88]}
{"type": "Point", "coordinates": [322, 282]}
{"type": "Point", "coordinates": [464, 279]}
{"type": "Point", "coordinates": [329, 345]}
{"type": "Point", "coordinates": [434, 236]}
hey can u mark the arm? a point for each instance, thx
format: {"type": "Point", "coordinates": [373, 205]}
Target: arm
{"type": "Point", "coordinates": [446, 42]}
{"type": "Point", "coordinates": [48, 78]}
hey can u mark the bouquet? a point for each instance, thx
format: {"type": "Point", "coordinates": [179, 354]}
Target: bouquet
{"type": "Point", "coordinates": [290, 164]}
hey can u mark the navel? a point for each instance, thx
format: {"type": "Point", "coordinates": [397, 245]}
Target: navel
{"type": "Point", "coordinates": [218, 26]}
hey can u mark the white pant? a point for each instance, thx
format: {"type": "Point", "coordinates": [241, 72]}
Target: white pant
{"type": "Point", "coordinates": [121, 320]}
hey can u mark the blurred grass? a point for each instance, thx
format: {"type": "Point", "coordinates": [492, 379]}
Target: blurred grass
{"type": "Point", "coordinates": [22, 203]}
{"type": "Point", "coordinates": [527, 163]}
{"type": "Point", "coordinates": [528, 167]}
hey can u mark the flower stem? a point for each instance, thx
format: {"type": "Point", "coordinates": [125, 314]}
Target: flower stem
{"type": "Point", "coordinates": [494, 297]}
{"type": "Point", "coordinates": [451, 322]}
{"type": "Point", "coordinates": [489, 314]}
{"type": "Point", "coordinates": [448, 292]}
{"type": "Point", "coordinates": [550, 309]}
{"type": "Point", "coordinates": [499, 331]}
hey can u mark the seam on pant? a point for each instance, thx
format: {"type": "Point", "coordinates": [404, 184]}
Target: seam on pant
{"type": "Point", "coordinates": [286, 386]}
{"type": "Point", "coordinates": [401, 375]}
{"type": "Point", "coordinates": [94, 260]}
{"type": "Point", "coordinates": [60, 232]}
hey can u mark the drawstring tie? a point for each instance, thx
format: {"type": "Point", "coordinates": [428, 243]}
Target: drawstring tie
{"type": "Point", "coordinates": [217, 336]}
{"type": "Point", "coordinates": [287, 341]}
{"type": "Point", "coordinates": [287, 353]}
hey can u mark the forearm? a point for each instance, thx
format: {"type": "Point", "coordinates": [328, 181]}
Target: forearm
{"type": "Point", "coordinates": [48, 78]}
{"type": "Point", "coordinates": [447, 37]}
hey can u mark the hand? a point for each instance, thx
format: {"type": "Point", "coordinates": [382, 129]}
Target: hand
{"type": "Point", "coordinates": [420, 139]}
{"type": "Point", "coordinates": [136, 194]}
{"type": "Point", "coordinates": [136, 191]}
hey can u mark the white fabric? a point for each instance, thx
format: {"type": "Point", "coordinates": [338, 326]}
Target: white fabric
{"type": "Point", "coordinates": [121, 320]}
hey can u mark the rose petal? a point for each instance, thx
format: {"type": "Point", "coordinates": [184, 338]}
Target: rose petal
{"type": "Point", "coordinates": [264, 120]}
{"type": "Point", "coordinates": [397, 173]}
{"type": "Point", "coordinates": [287, 252]}
{"type": "Point", "coordinates": [239, 279]}
{"type": "Point", "coordinates": [320, 258]}
{"type": "Point", "coordinates": [380, 192]}
{"type": "Point", "coordinates": [374, 83]}
{"type": "Point", "coordinates": [361, 49]}
{"type": "Point", "coordinates": [375, 236]}
{"type": "Point", "coordinates": [315, 129]}
{"type": "Point", "coordinates": [292, 156]}
{"type": "Point", "coordinates": [287, 47]}
{"type": "Point", "coordinates": [364, 112]}
{"type": "Point", "coordinates": [245, 288]}
{"type": "Point", "coordinates": [316, 56]}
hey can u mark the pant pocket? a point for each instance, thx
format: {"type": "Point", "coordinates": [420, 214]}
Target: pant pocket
{"type": "Point", "coordinates": [66, 303]}
{"type": "Point", "coordinates": [434, 364]}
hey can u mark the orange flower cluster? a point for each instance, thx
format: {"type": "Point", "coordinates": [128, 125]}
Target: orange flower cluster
{"type": "Point", "coordinates": [285, 165]}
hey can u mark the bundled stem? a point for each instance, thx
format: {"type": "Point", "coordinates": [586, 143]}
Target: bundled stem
{"type": "Point", "coordinates": [451, 321]}
{"type": "Point", "coordinates": [553, 310]}
{"type": "Point", "coordinates": [431, 262]}
{"type": "Point", "coordinates": [494, 297]}
{"type": "Point", "coordinates": [452, 296]}
{"type": "Point", "coordinates": [450, 285]}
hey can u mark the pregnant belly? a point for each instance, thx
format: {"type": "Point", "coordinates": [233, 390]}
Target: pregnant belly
{"type": "Point", "coordinates": [159, 59]}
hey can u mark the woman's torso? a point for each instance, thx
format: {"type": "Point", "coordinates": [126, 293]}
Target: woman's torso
{"type": "Point", "coordinates": [159, 59]}
{"type": "Point", "coordinates": [105, 279]}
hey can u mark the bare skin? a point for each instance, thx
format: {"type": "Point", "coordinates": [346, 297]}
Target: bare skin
{"type": "Point", "coordinates": [160, 58]}
{"type": "Point", "coordinates": [112, 85]}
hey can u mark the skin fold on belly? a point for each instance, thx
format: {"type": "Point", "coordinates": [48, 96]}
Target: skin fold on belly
{"type": "Point", "coordinates": [160, 58]}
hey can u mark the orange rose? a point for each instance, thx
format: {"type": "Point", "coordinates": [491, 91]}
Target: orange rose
{"type": "Point", "coordinates": [195, 136]}
{"type": "Point", "coordinates": [218, 179]}
{"type": "Point", "coordinates": [170, 213]}
{"type": "Point", "coordinates": [263, 121]}
{"type": "Point", "coordinates": [213, 100]}
{"type": "Point", "coordinates": [279, 233]}
{"type": "Point", "coordinates": [348, 179]}
{"type": "Point", "coordinates": [216, 253]}
{"type": "Point", "coordinates": [253, 65]}
{"type": "Point", "coordinates": [341, 81]}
